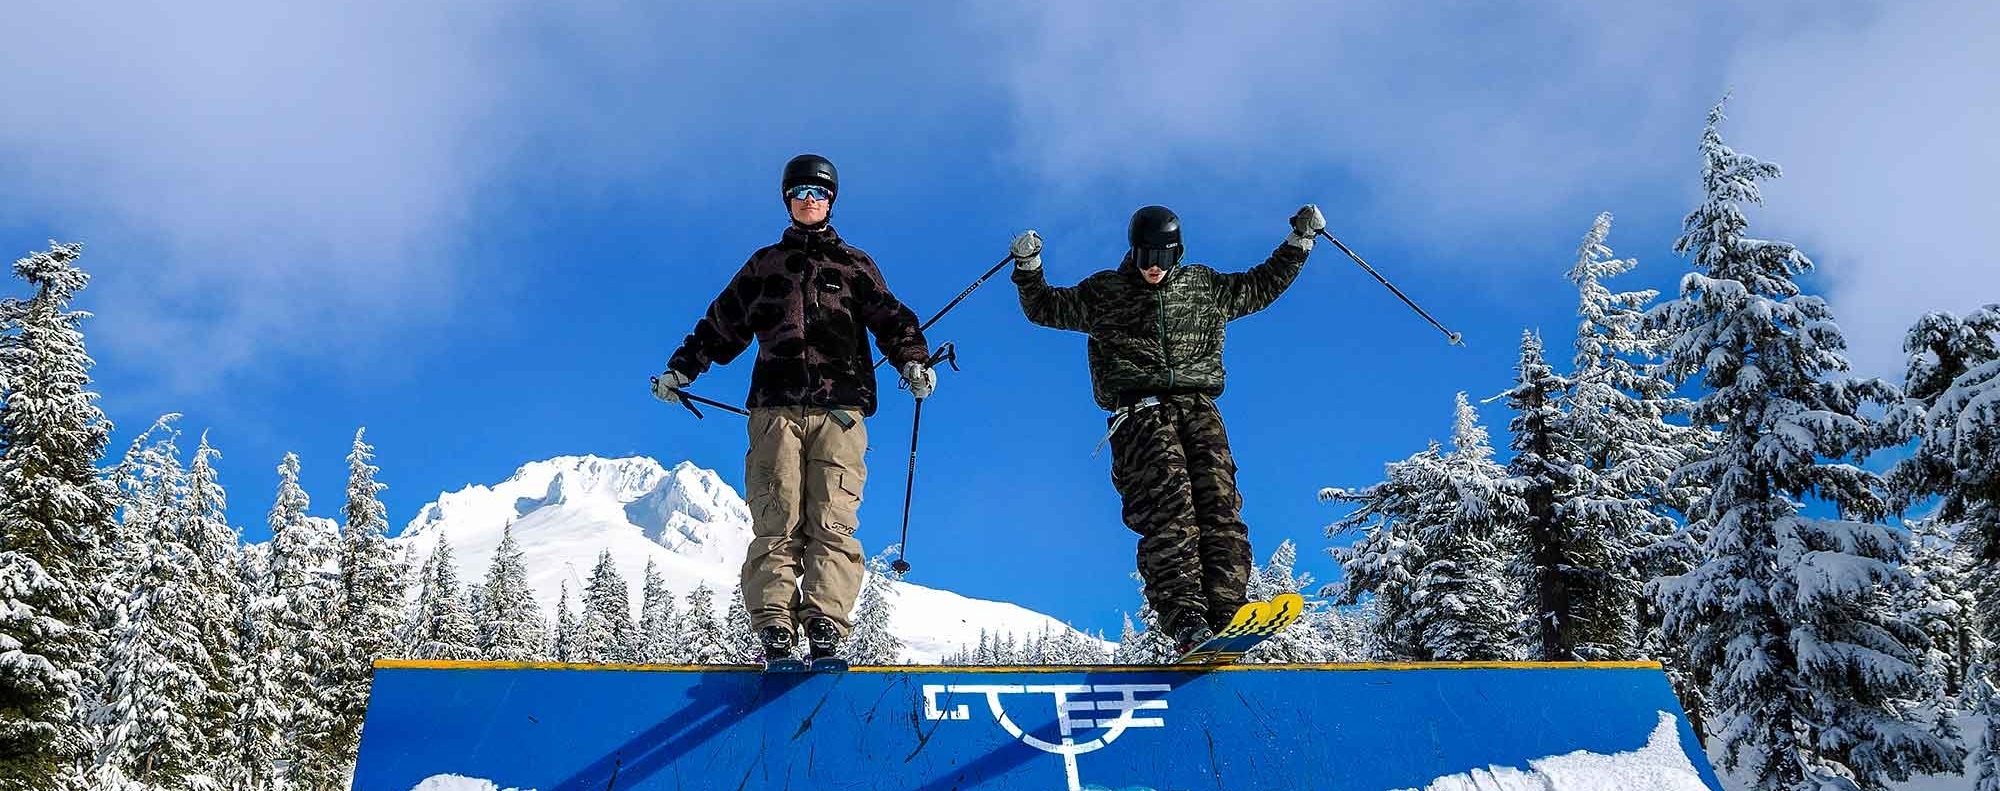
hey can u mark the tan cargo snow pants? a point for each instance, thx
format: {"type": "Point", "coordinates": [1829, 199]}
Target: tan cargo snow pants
{"type": "Point", "coordinates": [803, 477]}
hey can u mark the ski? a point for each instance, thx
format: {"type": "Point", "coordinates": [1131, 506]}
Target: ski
{"type": "Point", "coordinates": [828, 664]}
{"type": "Point", "coordinates": [786, 665]}
{"type": "Point", "coordinates": [1253, 623]}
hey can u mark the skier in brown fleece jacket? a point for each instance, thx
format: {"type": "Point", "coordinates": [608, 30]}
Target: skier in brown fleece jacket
{"type": "Point", "coordinates": [810, 301]}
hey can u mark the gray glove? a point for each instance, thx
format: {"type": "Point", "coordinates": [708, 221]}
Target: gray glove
{"type": "Point", "coordinates": [921, 379]}
{"type": "Point", "coordinates": [1305, 224]}
{"type": "Point", "coordinates": [664, 385]}
{"type": "Point", "coordinates": [1027, 251]}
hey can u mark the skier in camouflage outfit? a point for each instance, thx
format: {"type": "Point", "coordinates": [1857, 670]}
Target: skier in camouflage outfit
{"type": "Point", "coordinates": [809, 301]}
{"type": "Point", "coordinates": [1155, 351]}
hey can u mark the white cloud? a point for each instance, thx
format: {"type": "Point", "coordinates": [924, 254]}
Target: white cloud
{"type": "Point", "coordinates": [1472, 127]}
{"type": "Point", "coordinates": [319, 167]}
{"type": "Point", "coordinates": [308, 177]}
{"type": "Point", "coordinates": [1885, 127]}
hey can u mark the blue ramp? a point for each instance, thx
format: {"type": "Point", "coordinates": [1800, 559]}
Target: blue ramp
{"type": "Point", "coordinates": [1376, 727]}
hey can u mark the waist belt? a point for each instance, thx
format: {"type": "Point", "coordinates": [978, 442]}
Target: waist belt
{"type": "Point", "coordinates": [1124, 411]}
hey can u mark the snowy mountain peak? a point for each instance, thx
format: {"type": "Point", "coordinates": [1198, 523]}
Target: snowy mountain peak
{"type": "Point", "coordinates": [693, 526]}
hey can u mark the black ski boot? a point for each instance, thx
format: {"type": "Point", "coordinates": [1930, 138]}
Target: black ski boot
{"type": "Point", "coordinates": [777, 642]}
{"type": "Point", "coordinates": [824, 639]}
{"type": "Point", "coordinates": [1190, 630]}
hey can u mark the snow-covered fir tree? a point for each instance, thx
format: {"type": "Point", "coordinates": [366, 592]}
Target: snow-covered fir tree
{"type": "Point", "coordinates": [371, 595]}
{"type": "Point", "coordinates": [1431, 553]}
{"type": "Point", "coordinates": [1952, 386]}
{"type": "Point", "coordinates": [511, 628]}
{"type": "Point", "coordinates": [1563, 571]}
{"type": "Point", "coordinates": [1149, 645]}
{"type": "Point", "coordinates": [446, 630]}
{"type": "Point", "coordinates": [257, 716]}
{"type": "Point", "coordinates": [702, 642]}
{"type": "Point", "coordinates": [606, 634]}
{"type": "Point", "coordinates": [416, 619]}
{"type": "Point", "coordinates": [1812, 671]}
{"type": "Point", "coordinates": [371, 576]}
{"type": "Point", "coordinates": [156, 667]}
{"type": "Point", "coordinates": [54, 509]}
{"type": "Point", "coordinates": [739, 640]}
{"type": "Point", "coordinates": [562, 640]}
{"type": "Point", "coordinates": [870, 642]}
{"type": "Point", "coordinates": [659, 617]}
{"type": "Point", "coordinates": [1941, 599]}
{"type": "Point", "coordinates": [1624, 418]}
{"type": "Point", "coordinates": [1347, 633]}
{"type": "Point", "coordinates": [300, 554]}
{"type": "Point", "coordinates": [1378, 567]}
{"type": "Point", "coordinates": [137, 509]}
{"type": "Point", "coordinates": [215, 552]}
{"type": "Point", "coordinates": [1304, 640]}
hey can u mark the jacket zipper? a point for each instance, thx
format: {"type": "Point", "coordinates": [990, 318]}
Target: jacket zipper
{"type": "Point", "coordinates": [810, 285]}
{"type": "Point", "coordinates": [1160, 299]}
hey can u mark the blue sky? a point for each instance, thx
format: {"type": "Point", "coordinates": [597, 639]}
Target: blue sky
{"type": "Point", "coordinates": [477, 232]}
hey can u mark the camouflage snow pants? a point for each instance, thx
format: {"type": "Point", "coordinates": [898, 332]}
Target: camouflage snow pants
{"type": "Point", "coordinates": [1172, 467]}
{"type": "Point", "coordinates": [803, 479]}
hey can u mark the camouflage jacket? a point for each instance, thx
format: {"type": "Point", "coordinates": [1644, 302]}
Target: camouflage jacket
{"type": "Point", "coordinates": [1153, 339]}
{"type": "Point", "coordinates": [809, 301]}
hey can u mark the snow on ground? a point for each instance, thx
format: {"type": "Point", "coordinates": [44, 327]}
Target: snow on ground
{"type": "Point", "coordinates": [459, 783]}
{"type": "Point", "coordinates": [565, 510]}
{"type": "Point", "coordinates": [1661, 765]}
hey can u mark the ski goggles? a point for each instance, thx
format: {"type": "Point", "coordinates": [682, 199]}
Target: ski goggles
{"type": "Point", "coordinates": [809, 192]}
{"type": "Point", "coordinates": [1156, 257]}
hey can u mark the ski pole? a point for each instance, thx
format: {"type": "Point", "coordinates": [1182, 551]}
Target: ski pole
{"type": "Point", "coordinates": [1455, 338]}
{"type": "Point", "coordinates": [945, 354]}
{"type": "Point", "coordinates": [955, 300]}
{"type": "Point", "coordinates": [688, 400]}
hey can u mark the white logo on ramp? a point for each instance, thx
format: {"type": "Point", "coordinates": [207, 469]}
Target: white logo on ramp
{"type": "Point", "coordinates": [1109, 708]}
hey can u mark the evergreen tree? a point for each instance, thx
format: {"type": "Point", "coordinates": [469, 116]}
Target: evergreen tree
{"type": "Point", "coordinates": [1562, 566]}
{"type": "Point", "coordinates": [1303, 641]}
{"type": "Point", "coordinates": [871, 642]}
{"type": "Point", "coordinates": [215, 551]}
{"type": "Point", "coordinates": [1811, 669]}
{"type": "Point", "coordinates": [257, 716]}
{"type": "Point", "coordinates": [447, 631]}
{"type": "Point", "coordinates": [1128, 636]}
{"type": "Point", "coordinates": [659, 620]}
{"type": "Point", "coordinates": [703, 643]}
{"type": "Point", "coordinates": [155, 669]}
{"type": "Point", "coordinates": [1432, 556]}
{"type": "Point", "coordinates": [510, 624]}
{"type": "Point", "coordinates": [1952, 384]}
{"type": "Point", "coordinates": [1346, 632]}
{"type": "Point", "coordinates": [606, 635]}
{"type": "Point", "coordinates": [1941, 599]}
{"type": "Point", "coordinates": [1380, 566]}
{"type": "Point", "coordinates": [1621, 417]}
{"type": "Point", "coordinates": [54, 509]}
{"type": "Point", "coordinates": [562, 647]}
{"type": "Point", "coordinates": [739, 642]}
{"type": "Point", "coordinates": [301, 610]}
{"type": "Point", "coordinates": [370, 597]}
{"type": "Point", "coordinates": [417, 614]}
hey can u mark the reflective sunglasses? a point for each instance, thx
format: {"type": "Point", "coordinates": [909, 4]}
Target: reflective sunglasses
{"type": "Point", "coordinates": [809, 192]}
{"type": "Point", "coordinates": [1156, 257]}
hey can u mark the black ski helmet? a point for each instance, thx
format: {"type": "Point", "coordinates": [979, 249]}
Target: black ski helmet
{"type": "Point", "coordinates": [811, 169]}
{"type": "Point", "coordinates": [1155, 234]}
